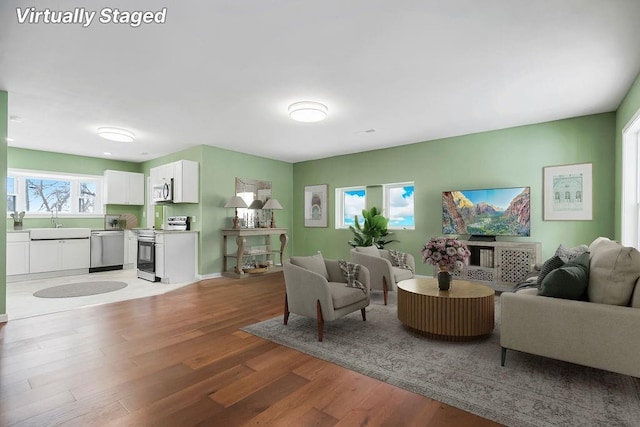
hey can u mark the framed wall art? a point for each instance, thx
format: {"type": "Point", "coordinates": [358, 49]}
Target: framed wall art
{"type": "Point", "coordinates": [316, 208]}
{"type": "Point", "coordinates": [568, 192]}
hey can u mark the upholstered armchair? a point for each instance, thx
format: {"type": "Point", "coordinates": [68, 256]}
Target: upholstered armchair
{"type": "Point", "coordinates": [316, 288]}
{"type": "Point", "coordinates": [384, 270]}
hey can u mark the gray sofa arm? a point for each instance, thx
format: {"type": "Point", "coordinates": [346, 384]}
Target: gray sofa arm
{"type": "Point", "coordinates": [596, 335]}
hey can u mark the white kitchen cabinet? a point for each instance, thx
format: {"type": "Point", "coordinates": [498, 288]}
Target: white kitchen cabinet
{"type": "Point", "coordinates": [17, 253]}
{"type": "Point", "coordinates": [185, 175]}
{"type": "Point", "coordinates": [176, 256]}
{"type": "Point", "coordinates": [123, 188]}
{"type": "Point", "coordinates": [130, 249]}
{"type": "Point", "coordinates": [56, 255]}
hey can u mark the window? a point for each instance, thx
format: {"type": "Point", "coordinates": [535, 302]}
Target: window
{"type": "Point", "coordinates": [41, 193]}
{"type": "Point", "coordinates": [398, 205]}
{"type": "Point", "coordinates": [350, 202]}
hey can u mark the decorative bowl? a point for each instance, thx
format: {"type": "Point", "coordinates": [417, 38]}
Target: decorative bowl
{"type": "Point", "coordinates": [256, 270]}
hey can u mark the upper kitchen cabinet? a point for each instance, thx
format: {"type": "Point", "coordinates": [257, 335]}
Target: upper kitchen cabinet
{"type": "Point", "coordinates": [176, 182]}
{"type": "Point", "coordinates": [123, 188]}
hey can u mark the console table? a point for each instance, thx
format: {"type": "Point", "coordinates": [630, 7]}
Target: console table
{"type": "Point", "coordinates": [243, 250]}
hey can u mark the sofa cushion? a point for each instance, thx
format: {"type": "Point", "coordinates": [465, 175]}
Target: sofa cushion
{"type": "Point", "coordinates": [313, 263]}
{"type": "Point", "coordinates": [569, 281]}
{"type": "Point", "coordinates": [613, 272]}
{"type": "Point", "coordinates": [635, 301]}
{"type": "Point", "coordinates": [548, 266]}
{"type": "Point", "coordinates": [351, 273]}
{"type": "Point", "coordinates": [569, 254]}
{"type": "Point", "coordinates": [368, 250]}
{"type": "Point", "coordinates": [343, 296]}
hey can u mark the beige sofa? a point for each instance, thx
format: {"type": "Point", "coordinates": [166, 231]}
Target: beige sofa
{"type": "Point", "coordinates": [602, 333]}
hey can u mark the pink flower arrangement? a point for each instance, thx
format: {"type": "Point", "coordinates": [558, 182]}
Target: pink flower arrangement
{"type": "Point", "coordinates": [447, 253]}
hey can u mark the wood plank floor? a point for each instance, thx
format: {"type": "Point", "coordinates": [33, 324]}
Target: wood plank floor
{"type": "Point", "coordinates": [179, 359]}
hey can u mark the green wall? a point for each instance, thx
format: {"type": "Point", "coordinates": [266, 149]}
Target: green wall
{"type": "Point", "coordinates": [20, 158]}
{"type": "Point", "coordinates": [503, 158]}
{"type": "Point", "coordinates": [628, 108]}
{"type": "Point", "coordinates": [4, 114]}
{"type": "Point", "coordinates": [218, 171]}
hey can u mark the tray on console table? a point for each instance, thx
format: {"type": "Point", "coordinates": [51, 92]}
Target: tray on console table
{"type": "Point", "coordinates": [241, 235]}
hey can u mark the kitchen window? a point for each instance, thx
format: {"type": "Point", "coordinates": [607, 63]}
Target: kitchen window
{"type": "Point", "coordinates": [41, 193]}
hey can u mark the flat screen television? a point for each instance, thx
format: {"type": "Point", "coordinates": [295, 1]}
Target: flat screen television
{"type": "Point", "coordinates": [487, 212]}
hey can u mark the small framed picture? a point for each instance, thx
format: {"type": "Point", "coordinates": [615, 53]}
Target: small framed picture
{"type": "Point", "coordinates": [316, 208]}
{"type": "Point", "coordinates": [568, 192]}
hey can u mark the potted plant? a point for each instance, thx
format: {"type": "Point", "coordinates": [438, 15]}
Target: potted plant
{"type": "Point", "coordinates": [372, 232]}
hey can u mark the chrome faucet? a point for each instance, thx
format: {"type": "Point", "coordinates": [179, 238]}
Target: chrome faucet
{"type": "Point", "coordinates": [54, 218]}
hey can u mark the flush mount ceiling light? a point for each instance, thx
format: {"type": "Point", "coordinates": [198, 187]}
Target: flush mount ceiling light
{"type": "Point", "coordinates": [308, 111]}
{"type": "Point", "coordinates": [116, 134]}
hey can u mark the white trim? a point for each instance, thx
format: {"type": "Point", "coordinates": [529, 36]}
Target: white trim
{"type": "Point", "coordinates": [630, 195]}
{"type": "Point", "coordinates": [209, 276]}
{"type": "Point", "coordinates": [4, 318]}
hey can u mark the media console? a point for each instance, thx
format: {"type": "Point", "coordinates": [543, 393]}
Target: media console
{"type": "Point", "coordinates": [500, 265]}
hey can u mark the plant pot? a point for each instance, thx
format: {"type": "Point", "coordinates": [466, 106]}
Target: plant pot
{"type": "Point", "coordinates": [444, 280]}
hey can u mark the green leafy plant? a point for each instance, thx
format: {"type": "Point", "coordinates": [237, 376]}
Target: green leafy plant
{"type": "Point", "coordinates": [372, 232]}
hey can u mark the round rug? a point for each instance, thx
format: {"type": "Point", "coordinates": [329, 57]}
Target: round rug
{"type": "Point", "coordinates": [79, 289]}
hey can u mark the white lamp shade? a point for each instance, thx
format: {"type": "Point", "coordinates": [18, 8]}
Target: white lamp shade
{"type": "Point", "coordinates": [272, 204]}
{"type": "Point", "coordinates": [116, 134]}
{"type": "Point", "coordinates": [308, 111]}
{"type": "Point", "coordinates": [236, 202]}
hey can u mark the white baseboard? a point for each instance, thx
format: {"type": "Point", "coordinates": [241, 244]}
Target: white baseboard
{"type": "Point", "coordinates": [4, 318]}
{"type": "Point", "coordinates": [209, 276]}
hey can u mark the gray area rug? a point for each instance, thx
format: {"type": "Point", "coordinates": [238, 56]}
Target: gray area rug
{"type": "Point", "coordinates": [79, 289]}
{"type": "Point", "coordinates": [529, 391]}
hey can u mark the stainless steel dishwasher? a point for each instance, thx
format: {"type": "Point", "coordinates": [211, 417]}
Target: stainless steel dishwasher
{"type": "Point", "coordinates": [107, 250]}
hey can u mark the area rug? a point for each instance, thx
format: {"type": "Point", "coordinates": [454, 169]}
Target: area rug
{"type": "Point", "coordinates": [80, 289]}
{"type": "Point", "coordinates": [529, 391]}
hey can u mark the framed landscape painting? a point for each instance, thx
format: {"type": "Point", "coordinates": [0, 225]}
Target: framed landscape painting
{"type": "Point", "coordinates": [568, 192]}
{"type": "Point", "coordinates": [316, 209]}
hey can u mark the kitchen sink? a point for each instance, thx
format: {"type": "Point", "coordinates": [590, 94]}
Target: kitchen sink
{"type": "Point", "coordinates": [59, 233]}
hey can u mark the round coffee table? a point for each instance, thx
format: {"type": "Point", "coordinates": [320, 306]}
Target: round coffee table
{"type": "Point", "coordinates": [463, 313]}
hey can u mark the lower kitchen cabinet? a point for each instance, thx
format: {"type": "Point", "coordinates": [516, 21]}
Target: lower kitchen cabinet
{"type": "Point", "coordinates": [176, 256]}
{"type": "Point", "coordinates": [130, 248]}
{"type": "Point", "coordinates": [17, 253]}
{"type": "Point", "coordinates": [55, 255]}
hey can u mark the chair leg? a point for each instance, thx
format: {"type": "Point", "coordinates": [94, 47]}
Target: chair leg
{"type": "Point", "coordinates": [385, 288]}
{"type": "Point", "coordinates": [286, 309]}
{"type": "Point", "coordinates": [320, 321]}
{"type": "Point", "coordinates": [364, 315]}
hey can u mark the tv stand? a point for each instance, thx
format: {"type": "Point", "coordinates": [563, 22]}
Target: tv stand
{"type": "Point", "coordinates": [500, 265]}
{"type": "Point", "coordinates": [478, 238]}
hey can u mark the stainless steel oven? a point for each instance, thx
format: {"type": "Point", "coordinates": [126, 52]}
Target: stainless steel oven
{"type": "Point", "coordinates": [147, 255]}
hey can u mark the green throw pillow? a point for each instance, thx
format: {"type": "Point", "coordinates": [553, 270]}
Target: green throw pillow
{"type": "Point", "coordinates": [569, 281]}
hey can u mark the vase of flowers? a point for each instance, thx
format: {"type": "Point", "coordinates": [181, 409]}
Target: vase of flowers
{"type": "Point", "coordinates": [448, 255]}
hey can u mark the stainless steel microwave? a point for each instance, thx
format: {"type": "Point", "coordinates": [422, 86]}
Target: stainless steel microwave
{"type": "Point", "coordinates": [163, 192]}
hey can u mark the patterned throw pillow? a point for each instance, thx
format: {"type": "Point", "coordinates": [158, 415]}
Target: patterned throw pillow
{"type": "Point", "coordinates": [569, 254]}
{"type": "Point", "coordinates": [400, 259]}
{"type": "Point", "coordinates": [548, 266]}
{"type": "Point", "coordinates": [351, 272]}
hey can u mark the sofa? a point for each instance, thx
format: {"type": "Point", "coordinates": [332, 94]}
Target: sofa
{"type": "Point", "coordinates": [597, 326]}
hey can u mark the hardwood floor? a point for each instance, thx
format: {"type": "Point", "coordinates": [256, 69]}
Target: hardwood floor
{"type": "Point", "coordinates": [179, 359]}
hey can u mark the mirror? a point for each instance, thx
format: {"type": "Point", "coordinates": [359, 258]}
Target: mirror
{"type": "Point", "coordinates": [254, 192]}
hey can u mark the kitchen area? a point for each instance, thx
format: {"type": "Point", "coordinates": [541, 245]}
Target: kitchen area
{"type": "Point", "coordinates": [150, 260]}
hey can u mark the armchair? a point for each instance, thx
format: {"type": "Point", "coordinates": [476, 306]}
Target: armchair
{"type": "Point", "coordinates": [384, 275]}
{"type": "Point", "coordinates": [316, 288]}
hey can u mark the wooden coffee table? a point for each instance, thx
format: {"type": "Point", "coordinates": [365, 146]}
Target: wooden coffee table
{"type": "Point", "coordinates": [463, 313]}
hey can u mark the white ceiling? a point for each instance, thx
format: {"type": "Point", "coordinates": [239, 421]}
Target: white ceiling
{"type": "Point", "coordinates": [223, 73]}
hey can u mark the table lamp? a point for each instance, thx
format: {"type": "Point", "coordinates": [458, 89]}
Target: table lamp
{"type": "Point", "coordinates": [272, 204]}
{"type": "Point", "coordinates": [236, 202]}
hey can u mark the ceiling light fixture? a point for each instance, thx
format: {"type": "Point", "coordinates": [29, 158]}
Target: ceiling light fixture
{"type": "Point", "coordinates": [116, 134]}
{"type": "Point", "coordinates": [308, 111]}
